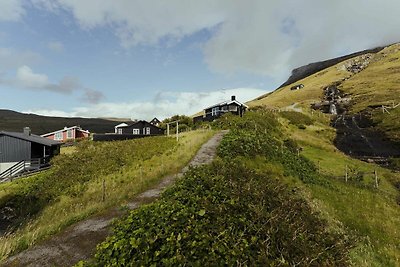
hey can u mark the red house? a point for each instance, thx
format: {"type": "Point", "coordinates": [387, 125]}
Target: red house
{"type": "Point", "coordinates": [67, 134]}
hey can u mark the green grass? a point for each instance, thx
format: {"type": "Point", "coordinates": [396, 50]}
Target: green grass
{"type": "Point", "coordinates": [312, 91]}
{"type": "Point", "coordinates": [238, 211]}
{"type": "Point", "coordinates": [68, 150]}
{"type": "Point", "coordinates": [72, 190]}
{"type": "Point", "coordinates": [372, 215]}
{"type": "Point", "coordinates": [379, 84]}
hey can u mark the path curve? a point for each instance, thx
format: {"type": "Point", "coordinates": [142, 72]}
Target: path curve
{"type": "Point", "coordinates": [78, 242]}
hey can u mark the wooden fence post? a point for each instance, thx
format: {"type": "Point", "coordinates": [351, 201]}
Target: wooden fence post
{"type": "Point", "coordinates": [346, 174]}
{"type": "Point", "coordinates": [376, 178]}
{"type": "Point", "coordinates": [103, 198]}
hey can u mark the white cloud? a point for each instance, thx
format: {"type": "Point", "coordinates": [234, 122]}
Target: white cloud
{"type": "Point", "coordinates": [56, 46]}
{"type": "Point", "coordinates": [11, 10]}
{"type": "Point", "coordinates": [26, 78]}
{"type": "Point", "coordinates": [257, 36]}
{"type": "Point", "coordinates": [164, 104]}
{"type": "Point", "coordinates": [12, 58]}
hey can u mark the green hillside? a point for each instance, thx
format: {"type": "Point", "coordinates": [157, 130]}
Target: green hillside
{"type": "Point", "coordinates": [377, 84]}
{"type": "Point", "coordinates": [42, 205]}
{"type": "Point", "coordinates": [277, 196]}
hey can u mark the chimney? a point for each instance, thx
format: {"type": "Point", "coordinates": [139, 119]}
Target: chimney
{"type": "Point", "coordinates": [233, 98]}
{"type": "Point", "coordinates": [27, 131]}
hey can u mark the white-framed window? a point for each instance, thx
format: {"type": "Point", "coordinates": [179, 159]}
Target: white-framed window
{"type": "Point", "coordinates": [215, 111]}
{"type": "Point", "coordinates": [70, 134]}
{"type": "Point", "coordinates": [119, 131]}
{"type": "Point", "coordinates": [147, 130]}
{"type": "Point", "coordinates": [136, 131]}
{"type": "Point", "coordinates": [58, 136]}
{"type": "Point", "coordinates": [233, 108]}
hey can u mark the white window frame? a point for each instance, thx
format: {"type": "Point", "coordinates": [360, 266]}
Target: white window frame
{"type": "Point", "coordinates": [70, 134]}
{"type": "Point", "coordinates": [135, 131]}
{"type": "Point", "coordinates": [214, 111]}
{"type": "Point", "coordinates": [119, 131]}
{"type": "Point", "coordinates": [58, 136]}
{"type": "Point", "coordinates": [148, 130]}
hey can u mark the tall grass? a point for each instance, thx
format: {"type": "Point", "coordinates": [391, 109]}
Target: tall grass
{"type": "Point", "coordinates": [72, 190]}
{"type": "Point", "coordinates": [373, 215]}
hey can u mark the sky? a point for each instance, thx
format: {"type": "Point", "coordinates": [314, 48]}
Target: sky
{"type": "Point", "coordinates": [141, 59]}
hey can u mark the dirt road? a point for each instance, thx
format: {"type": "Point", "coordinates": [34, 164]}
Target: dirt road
{"type": "Point", "coordinates": [78, 242]}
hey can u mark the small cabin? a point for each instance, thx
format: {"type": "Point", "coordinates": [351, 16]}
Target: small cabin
{"type": "Point", "coordinates": [140, 128]}
{"type": "Point", "coordinates": [67, 134]}
{"type": "Point", "coordinates": [211, 113]}
{"type": "Point", "coordinates": [155, 122]}
{"type": "Point", "coordinates": [297, 87]}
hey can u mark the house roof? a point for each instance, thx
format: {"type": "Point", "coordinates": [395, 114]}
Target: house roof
{"type": "Point", "coordinates": [66, 129]}
{"type": "Point", "coordinates": [155, 119]}
{"type": "Point", "coordinates": [31, 138]}
{"type": "Point", "coordinates": [138, 122]}
{"type": "Point", "coordinates": [228, 103]}
{"type": "Point", "coordinates": [121, 125]}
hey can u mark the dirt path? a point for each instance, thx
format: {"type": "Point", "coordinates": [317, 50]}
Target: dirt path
{"type": "Point", "coordinates": [78, 242]}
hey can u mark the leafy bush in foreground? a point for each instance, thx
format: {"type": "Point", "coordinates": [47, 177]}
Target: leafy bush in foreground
{"type": "Point", "coordinates": [224, 214]}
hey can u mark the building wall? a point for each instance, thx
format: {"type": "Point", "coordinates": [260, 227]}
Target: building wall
{"type": "Point", "coordinates": [14, 149]}
{"type": "Point", "coordinates": [154, 130]}
{"type": "Point", "coordinates": [80, 134]}
{"type": "Point", "coordinates": [75, 134]}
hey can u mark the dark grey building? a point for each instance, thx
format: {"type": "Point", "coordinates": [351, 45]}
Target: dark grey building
{"type": "Point", "coordinates": [141, 128]}
{"type": "Point", "coordinates": [16, 147]}
{"type": "Point", "coordinates": [155, 122]}
{"type": "Point", "coordinates": [211, 113]}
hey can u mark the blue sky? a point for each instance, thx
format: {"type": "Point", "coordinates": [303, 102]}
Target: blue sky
{"type": "Point", "coordinates": [140, 59]}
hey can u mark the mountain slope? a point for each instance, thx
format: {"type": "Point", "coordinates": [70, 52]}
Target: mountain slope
{"type": "Point", "coordinates": [370, 80]}
{"type": "Point", "coordinates": [15, 121]}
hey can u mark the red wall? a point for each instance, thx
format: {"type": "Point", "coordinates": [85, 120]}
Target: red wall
{"type": "Point", "coordinates": [76, 134]}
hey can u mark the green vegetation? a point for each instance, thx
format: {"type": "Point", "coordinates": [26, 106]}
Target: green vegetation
{"type": "Point", "coordinates": [373, 215]}
{"type": "Point", "coordinates": [296, 118]}
{"type": "Point", "coordinates": [238, 211]}
{"type": "Point", "coordinates": [378, 85]}
{"type": "Point", "coordinates": [312, 91]}
{"type": "Point", "coordinates": [72, 190]}
{"type": "Point", "coordinates": [185, 123]}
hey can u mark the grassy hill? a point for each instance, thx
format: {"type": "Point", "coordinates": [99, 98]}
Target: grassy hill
{"type": "Point", "coordinates": [15, 121]}
{"type": "Point", "coordinates": [377, 84]}
{"type": "Point", "coordinates": [36, 207]}
{"type": "Point", "coordinates": [277, 196]}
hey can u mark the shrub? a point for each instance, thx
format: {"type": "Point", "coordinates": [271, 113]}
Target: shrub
{"type": "Point", "coordinates": [223, 214]}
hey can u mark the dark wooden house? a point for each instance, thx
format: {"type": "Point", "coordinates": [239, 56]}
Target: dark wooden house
{"type": "Point", "coordinates": [141, 128]}
{"type": "Point", "coordinates": [25, 147]}
{"type": "Point", "coordinates": [138, 129]}
{"type": "Point", "coordinates": [211, 113]}
{"type": "Point", "coordinates": [155, 122]}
